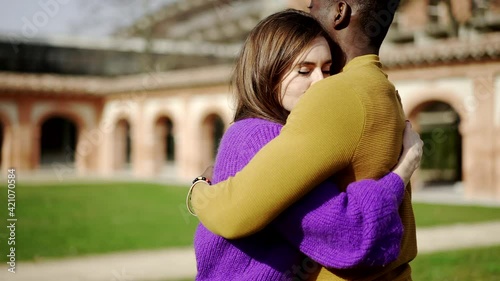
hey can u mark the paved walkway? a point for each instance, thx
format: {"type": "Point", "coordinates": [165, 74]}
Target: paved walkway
{"type": "Point", "coordinates": [162, 265]}
{"type": "Point", "coordinates": [177, 264]}
{"type": "Point", "coordinates": [452, 195]}
{"type": "Point", "coordinates": [460, 236]}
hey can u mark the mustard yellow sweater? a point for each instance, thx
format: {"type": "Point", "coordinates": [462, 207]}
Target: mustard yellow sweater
{"type": "Point", "coordinates": [349, 125]}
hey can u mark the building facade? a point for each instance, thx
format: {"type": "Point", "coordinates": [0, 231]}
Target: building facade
{"type": "Point", "coordinates": [164, 119]}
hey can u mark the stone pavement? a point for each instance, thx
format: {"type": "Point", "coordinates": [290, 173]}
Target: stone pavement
{"type": "Point", "coordinates": [452, 195]}
{"type": "Point", "coordinates": [179, 264]}
{"type": "Point", "coordinates": [171, 264]}
{"type": "Point", "coordinates": [460, 236]}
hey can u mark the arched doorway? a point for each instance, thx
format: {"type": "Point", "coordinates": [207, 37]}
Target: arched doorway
{"type": "Point", "coordinates": [441, 164]}
{"type": "Point", "coordinates": [122, 146]}
{"type": "Point", "coordinates": [212, 130]}
{"type": "Point", "coordinates": [58, 141]}
{"type": "Point", "coordinates": [164, 146]}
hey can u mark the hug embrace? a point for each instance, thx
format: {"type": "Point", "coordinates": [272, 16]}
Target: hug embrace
{"type": "Point", "coordinates": [311, 181]}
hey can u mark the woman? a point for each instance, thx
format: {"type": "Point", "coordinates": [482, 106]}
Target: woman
{"type": "Point", "coordinates": [282, 56]}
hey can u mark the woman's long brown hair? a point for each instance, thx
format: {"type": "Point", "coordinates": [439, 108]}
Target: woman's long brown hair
{"type": "Point", "coordinates": [267, 54]}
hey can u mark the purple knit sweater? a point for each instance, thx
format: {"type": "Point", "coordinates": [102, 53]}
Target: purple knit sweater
{"type": "Point", "coordinates": [357, 228]}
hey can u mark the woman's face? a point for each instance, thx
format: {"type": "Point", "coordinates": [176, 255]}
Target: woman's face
{"type": "Point", "coordinates": [310, 66]}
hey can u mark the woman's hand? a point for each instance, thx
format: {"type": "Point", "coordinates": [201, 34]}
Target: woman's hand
{"type": "Point", "coordinates": [410, 158]}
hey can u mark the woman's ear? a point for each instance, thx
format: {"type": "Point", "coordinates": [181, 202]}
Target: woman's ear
{"type": "Point", "coordinates": [342, 15]}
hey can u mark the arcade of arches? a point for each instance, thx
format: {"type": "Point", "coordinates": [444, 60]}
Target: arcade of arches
{"type": "Point", "coordinates": [167, 136]}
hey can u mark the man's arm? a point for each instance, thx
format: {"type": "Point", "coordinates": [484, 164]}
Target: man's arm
{"type": "Point", "coordinates": [359, 227]}
{"type": "Point", "coordinates": [319, 139]}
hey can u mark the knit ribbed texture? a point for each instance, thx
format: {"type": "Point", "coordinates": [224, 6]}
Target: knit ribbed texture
{"type": "Point", "coordinates": [360, 227]}
{"type": "Point", "coordinates": [349, 125]}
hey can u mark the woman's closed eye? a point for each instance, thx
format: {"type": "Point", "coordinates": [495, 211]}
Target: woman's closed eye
{"type": "Point", "coordinates": [307, 71]}
{"type": "Point", "coordinates": [304, 71]}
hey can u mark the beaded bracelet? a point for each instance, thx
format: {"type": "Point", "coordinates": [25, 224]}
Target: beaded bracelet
{"type": "Point", "coordinates": [200, 178]}
{"type": "Point", "coordinates": [188, 197]}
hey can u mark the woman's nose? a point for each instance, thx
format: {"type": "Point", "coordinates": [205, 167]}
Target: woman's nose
{"type": "Point", "coordinates": [317, 75]}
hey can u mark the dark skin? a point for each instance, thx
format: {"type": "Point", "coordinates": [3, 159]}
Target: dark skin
{"type": "Point", "coordinates": [342, 23]}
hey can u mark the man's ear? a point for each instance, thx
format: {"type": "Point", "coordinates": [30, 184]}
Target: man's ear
{"type": "Point", "coordinates": [342, 15]}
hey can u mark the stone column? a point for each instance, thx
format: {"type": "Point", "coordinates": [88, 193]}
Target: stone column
{"type": "Point", "coordinates": [26, 146]}
{"type": "Point", "coordinates": [496, 139]}
{"type": "Point", "coordinates": [187, 141]}
{"type": "Point", "coordinates": [94, 138]}
{"type": "Point", "coordinates": [10, 125]}
{"type": "Point", "coordinates": [478, 141]}
{"type": "Point", "coordinates": [140, 135]}
{"type": "Point", "coordinates": [105, 137]}
{"type": "Point", "coordinates": [7, 148]}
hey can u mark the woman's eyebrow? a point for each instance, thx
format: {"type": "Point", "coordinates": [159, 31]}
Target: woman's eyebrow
{"type": "Point", "coordinates": [308, 63]}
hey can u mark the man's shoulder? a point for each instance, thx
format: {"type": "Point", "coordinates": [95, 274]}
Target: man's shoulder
{"type": "Point", "coordinates": [371, 80]}
{"type": "Point", "coordinates": [335, 84]}
{"type": "Point", "coordinates": [363, 76]}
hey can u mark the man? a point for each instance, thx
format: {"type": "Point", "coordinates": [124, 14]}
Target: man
{"type": "Point", "coordinates": [349, 125]}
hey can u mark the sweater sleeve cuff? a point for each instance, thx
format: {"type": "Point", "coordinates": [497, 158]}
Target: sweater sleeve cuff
{"type": "Point", "coordinates": [395, 184]}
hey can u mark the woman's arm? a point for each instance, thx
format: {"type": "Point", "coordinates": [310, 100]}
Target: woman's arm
{"type": "Point", "coordinates": [359, 227]}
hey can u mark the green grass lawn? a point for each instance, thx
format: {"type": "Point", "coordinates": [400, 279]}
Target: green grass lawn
{"type": "Point", "coordinates": [481, 264]}
{"type": "Point", "coordinates": [431, 215]}
{"type": "Point", "coordinates": [75, 219]}
{"type": "Point", "coordinates": [70, 219]}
